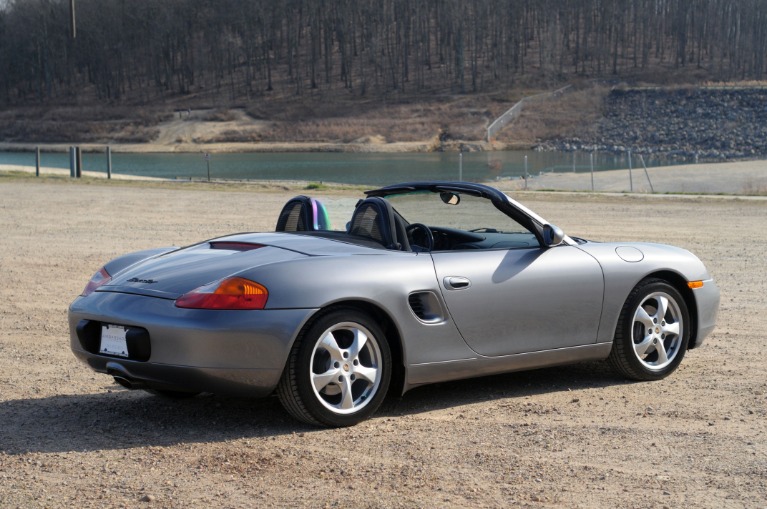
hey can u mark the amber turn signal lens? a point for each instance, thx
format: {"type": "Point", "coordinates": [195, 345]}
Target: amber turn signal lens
{"type": "Point", "coordinates": [232, 293]}
{"type": "Point", "coordinates": [239, 286]}
{"type": "Point", "coordinates": [695, 284]}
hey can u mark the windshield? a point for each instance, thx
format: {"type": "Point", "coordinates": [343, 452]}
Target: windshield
{"type": "Point", "coordinates": [462, 221]}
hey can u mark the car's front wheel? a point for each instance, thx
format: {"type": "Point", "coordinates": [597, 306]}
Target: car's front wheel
{"type": "Point", "coordinates": [652, 333]}
{"type": "Point", "coordinates": [338, 370]}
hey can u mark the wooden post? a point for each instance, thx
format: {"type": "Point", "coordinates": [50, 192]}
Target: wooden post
{"type": "Point", "coordinates": [109, 162]}
{"type": "Point", "coordinates": [37, 161]}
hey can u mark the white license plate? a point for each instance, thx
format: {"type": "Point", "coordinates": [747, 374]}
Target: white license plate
{"type": "Point", "coordinates": [113, 340]}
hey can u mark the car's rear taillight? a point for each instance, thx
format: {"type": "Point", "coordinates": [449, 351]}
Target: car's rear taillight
{"type": "Point", "coordinates": [230, 293]}
{"type": "Point", "coordinates": [101, 277]}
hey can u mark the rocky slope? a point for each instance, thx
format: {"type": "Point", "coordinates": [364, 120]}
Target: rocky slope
{"type": "Point", "coordinates": [703, 123]}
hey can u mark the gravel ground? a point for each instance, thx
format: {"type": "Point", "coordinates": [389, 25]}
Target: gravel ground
{"type": "Point", "coordinates": [574, 436]}
{"type": "Point", "coordinates": [734, 177]}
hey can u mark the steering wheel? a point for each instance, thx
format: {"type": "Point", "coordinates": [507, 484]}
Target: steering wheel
{"type": "Point", "coordinates": [420, 237]}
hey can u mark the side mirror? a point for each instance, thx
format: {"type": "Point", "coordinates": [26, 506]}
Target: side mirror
{"type": "Point", "coordinates": [552, 235]}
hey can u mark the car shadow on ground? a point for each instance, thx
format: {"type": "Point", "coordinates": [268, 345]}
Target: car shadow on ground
{"type": "Point", "coordinates": [122, 419]}
{"type": "Point", "coordinates": [509, 386]}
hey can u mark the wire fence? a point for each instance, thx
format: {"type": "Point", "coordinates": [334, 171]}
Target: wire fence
{"type": "Point", "coordinates": [509, 116]}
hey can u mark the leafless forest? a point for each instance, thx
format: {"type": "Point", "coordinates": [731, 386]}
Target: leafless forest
{"type": "Point", "coordinates": [137, 51]}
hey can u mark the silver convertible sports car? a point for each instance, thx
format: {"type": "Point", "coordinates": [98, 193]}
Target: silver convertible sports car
{"type": "Point", "coordinates": [428, 282]}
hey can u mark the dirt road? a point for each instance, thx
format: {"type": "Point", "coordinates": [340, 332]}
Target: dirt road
{"type": "Point", "coordinates": [564, 437]}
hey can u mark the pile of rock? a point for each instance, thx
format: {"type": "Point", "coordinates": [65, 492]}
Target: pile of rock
{"type": "Point", "coordinates": [701, 123]}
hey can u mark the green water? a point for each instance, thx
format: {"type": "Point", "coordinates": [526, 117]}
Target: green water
{"type": "Point", "coordinates": [342, 167]}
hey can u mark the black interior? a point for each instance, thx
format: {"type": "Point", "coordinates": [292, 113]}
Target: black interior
{"type": "Point", "coordinates": [375, 223]}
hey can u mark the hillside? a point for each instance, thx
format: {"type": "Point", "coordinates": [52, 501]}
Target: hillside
{"type": "Point", "coordinates": [707, 123]}
{"type": "Point", "coordinates": [197, 75]}
{"type": "Point", "coordinates": [257, 53]}
{"type": "Point", "coordinates": [427, 123]}
{"type": "Point", "coordinates": [701, 123]}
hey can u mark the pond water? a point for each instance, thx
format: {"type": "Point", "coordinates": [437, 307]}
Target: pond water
{"type": "Point", "coordinates": [341, 167]}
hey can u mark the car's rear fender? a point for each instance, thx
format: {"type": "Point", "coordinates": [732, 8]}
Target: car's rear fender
{"type": "Point", "coordinates": [380, 282]}
{"type": "Point", "coordinates": [390, 329]}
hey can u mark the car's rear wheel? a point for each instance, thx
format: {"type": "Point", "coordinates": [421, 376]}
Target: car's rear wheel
{"type": "Point", "coordinates": [652, 333]}
{"type": "Point", "coordinates": [338, 371]}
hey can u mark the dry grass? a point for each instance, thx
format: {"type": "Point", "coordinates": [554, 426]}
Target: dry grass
{"type": "Point", "coordinates": [568, 115]}
{"type": "Point", "coordinates": [414, 119]}
{"type": "Point", "coordinates": [755, 187]}
{"type": "Point", "coordinates": [233, 136]}
{"type": "Point", "coordinates": [315, 116]}
{"type": "Point", "coordinates": [249, 186]}
{"type": "Point", "coordinates": [737, 84]}
{"type": "Point", "coordinates": [218, 115]}
{"type": "Point", "coordinates": [81, 124]}
{"type": "Point", "coordinates": [308, 118]}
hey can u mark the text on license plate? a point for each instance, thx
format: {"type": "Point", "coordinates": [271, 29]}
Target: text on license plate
{"type": "Point", "coordinates": [113, 340]}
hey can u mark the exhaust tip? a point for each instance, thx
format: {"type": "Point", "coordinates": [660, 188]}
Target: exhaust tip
{"type": "Point", "coordinates": [122, 378]}
{"type": "Point", "coordinates": [125, 382]}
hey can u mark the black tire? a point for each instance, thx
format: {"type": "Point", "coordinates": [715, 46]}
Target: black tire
{"type": "Point", "coordinates": [652, 333]}
{"type": "Point", "coordinates": [329, 380]}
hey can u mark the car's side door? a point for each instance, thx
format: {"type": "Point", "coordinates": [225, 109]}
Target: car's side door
{"type": "Point", "coordinates": [510, 301]}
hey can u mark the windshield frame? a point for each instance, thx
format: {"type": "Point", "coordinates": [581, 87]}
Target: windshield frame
{"type": "Point", "coordinates": [516, 211]}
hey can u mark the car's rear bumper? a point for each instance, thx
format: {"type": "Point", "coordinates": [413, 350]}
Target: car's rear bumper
{"type": "Point", "coordinates": [147, 375]}
{"type": "Point", "coordinates": [707, 301]}
{"type": "Point", "coordinates": [227, 352]}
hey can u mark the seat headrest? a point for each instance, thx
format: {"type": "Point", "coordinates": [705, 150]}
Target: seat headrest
{"type": "Point", "coordinates": [303, 214]}
{"type": "Point", "coordinates": [376, 219]}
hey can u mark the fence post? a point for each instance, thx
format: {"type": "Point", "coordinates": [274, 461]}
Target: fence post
{"type": "Point", "coordinates": [652, 189]}
{"type": "Point", "coordinates": [591, 156]}
{"type": "Point", "coordinates": [631, 178]}
{"type": "Point", "coordinates": [526, 175]}
{"type": "Point", "coordinates": [37, 161]}
{"type": "Point", "coordinates": [109, 162]}
{"type": "Point", "coordinates": [460, 166]}
{"type": "Point", "coordinates": [79, 162]}
{"type": "Point", "coordinates": [72, 162]}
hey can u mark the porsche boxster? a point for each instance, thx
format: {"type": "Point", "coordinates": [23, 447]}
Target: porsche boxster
{"type": "Point", "coordinates": [427, 282]}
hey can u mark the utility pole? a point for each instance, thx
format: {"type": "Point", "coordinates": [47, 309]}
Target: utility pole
{"type": "Point", "coordinates": [72, 24]}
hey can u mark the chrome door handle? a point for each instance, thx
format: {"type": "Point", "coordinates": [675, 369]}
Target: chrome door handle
{"type": "Point", "coordinates": [456, 282]}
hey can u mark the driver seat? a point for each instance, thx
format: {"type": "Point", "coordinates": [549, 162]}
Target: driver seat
{"type": "Point", "coordinates": [376, 219]}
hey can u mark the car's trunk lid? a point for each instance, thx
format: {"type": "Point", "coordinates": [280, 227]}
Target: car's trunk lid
{"type": "Point", "coordinates": [173, 274]}
{"type": "Point", "coordinates": [177, 272]}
